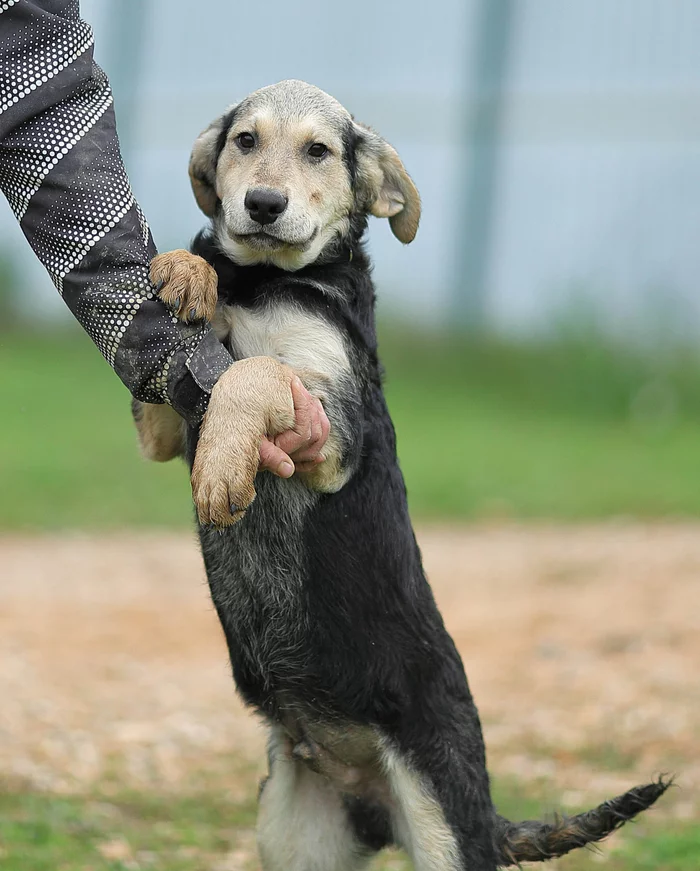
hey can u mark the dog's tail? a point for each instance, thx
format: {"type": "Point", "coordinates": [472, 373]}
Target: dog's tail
{"type": "Point", "coordinates": [533, 841]}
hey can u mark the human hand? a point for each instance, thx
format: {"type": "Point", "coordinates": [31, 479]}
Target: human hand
{"type": "Point", "coordinates": [255, 404]}
{"type": "Point", "coordinates": [300, 448]}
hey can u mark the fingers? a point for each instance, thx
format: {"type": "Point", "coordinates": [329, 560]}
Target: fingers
{"type": "Point", "coordinates": [309, 466]}
{"type": "Point", "coordinates": [325, 425]}
{"type": "Point", "coordinates": [291, 442]}
{"type": "Point", "coordinates": [275, 460]}
{"type": "Point", "coordinates": [306, 441]}
{"type": "Point", "coordinates": [303, 410]}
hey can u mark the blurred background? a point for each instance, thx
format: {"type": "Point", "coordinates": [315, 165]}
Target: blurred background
{"type": "Point", "coordinates": [539, 339]}
{"type": "Point", "coordinates": [547, 313]}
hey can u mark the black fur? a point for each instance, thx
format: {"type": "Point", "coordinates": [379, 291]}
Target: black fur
{"type": "Point", "coordinates": [345, 628]}
{"type": "Point", "coordinates": [371, 823]}
{"type": "Point", "coordinates": [369, 643]}
{"type": "Point", "coordinates": [532, 841]}
{"type": "Point", "coordinates": [350, 140]}
{"type": "Point", "coordinates": [226, 124]}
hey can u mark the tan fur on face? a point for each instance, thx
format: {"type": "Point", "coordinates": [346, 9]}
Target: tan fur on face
{"type": "Point", "coordinates": [285, 119]}
{"type": "Point", "coordinates": [318, 190]}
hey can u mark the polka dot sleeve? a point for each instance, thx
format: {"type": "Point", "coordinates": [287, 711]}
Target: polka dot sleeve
{"type": "Point", "coordinates": [62, 173]}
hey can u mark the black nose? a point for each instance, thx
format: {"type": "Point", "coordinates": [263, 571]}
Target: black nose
{"type": "Point", "coordinates": [265, 206]}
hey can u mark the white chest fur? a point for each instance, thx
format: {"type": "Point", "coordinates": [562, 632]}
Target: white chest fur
{"type": "Point", "coordinates": [302, 340]}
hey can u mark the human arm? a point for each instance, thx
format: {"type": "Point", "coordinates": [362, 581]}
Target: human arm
{"type": "Point", "coordinates": [62, 173]}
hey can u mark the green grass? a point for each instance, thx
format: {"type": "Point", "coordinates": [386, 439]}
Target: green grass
{"type": "Point", "coordinates": [676, 849]}
{"type": "Point", "coordinates": [567, 428]}
{"type": "Point", "coordinates": [68, 449]}
{"type": "Point", "coordinates": [51, 833]}
{"type": "Point", "coordinates": [206, 830]}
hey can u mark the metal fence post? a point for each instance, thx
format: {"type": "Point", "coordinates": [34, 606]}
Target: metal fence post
{"type": "Point", "coordinates": [480, 139]}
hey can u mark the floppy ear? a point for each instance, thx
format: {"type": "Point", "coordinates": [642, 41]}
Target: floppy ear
{"type": "Point", "coordinates": [205, 155]}
{"type": "Point", "coordinates": [385, 188]}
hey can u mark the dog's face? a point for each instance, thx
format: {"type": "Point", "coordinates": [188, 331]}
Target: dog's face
{"type": "Point", "coordinates": [283, 173]}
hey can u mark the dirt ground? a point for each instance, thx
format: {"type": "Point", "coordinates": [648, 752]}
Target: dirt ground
{"type": "Point", "coordinates": [581, 645]}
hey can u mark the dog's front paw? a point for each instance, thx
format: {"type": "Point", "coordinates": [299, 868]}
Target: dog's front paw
{"type": "Point", "coordinates": [186, 283]}
{"type": "Point", "coordinates": [222, 478]}
{"type": "Point", "coordinates": [252, 398]}
{"type": "Point", "coordinates": [225, 465]}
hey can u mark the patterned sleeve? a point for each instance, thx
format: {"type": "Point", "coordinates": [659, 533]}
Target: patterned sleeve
{"type": "Point", "coordinates": [62, 173]}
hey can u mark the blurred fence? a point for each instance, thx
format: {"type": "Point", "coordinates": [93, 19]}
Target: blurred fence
{"type": "Point", "coordinates": [593, 154]}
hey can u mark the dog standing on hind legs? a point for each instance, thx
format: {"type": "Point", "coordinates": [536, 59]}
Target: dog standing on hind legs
{"type": "Point", "coordinates": [332, 629]}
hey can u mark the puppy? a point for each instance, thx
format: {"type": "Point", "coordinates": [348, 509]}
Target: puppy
{"type": "Point", "coordinates": [333, 633]}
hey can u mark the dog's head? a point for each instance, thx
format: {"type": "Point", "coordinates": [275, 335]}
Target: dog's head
{"type": "Point", "coordinates": [285, 174]}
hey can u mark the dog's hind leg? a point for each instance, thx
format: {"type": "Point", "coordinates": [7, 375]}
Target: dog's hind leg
{"type": "Point", "coordinates": [443, 825]}
{"type": "Point", "coordinates": [303, 822]}
{"type": "Point", "coordinates": [418, 820]}
{"type": "Point", "coordinates": [161, 430]}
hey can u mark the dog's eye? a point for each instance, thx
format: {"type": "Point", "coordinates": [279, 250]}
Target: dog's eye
{"type": "Point", "coordinates": [318, 149]}
{"type": "Point", "coordinates": [246, 141]}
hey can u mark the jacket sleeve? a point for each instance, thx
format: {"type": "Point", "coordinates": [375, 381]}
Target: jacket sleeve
{"type": "Point", "coordinates": [62, 173]}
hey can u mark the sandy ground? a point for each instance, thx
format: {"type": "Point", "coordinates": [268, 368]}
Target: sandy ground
{"type": "Point", "coordinates": [581, 645]}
